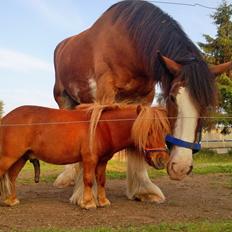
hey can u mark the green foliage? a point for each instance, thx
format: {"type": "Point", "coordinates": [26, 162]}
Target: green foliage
{"type": "Point", "coordinates": [224, 84]}
{"type": "Point", "coordinates": [219, 50]}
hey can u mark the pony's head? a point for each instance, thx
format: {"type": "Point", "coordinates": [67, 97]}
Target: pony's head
{"type": "Point", "coordinates": [192, 95]}
{"type": "Point", "coordinates": [148, 134]}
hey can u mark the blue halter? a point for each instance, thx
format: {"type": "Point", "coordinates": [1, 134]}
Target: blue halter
{"type": "Point", "coordinates": [171, 140]}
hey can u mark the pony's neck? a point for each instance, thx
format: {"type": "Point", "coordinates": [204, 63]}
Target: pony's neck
{"type": "Point", "coordinates": [121, 127]}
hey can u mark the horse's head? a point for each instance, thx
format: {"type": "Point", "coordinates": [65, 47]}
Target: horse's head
{"type": "Point", "coordinates": [188, 99]}
{"type": "Point", "coordinates": [149, 132]}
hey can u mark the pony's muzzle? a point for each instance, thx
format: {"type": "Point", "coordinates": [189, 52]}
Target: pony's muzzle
{"type": "Point", "coordinates": [158, 160]}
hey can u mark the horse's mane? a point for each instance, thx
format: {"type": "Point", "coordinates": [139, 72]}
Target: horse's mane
{"type": "Point", "coordinates": [152, 30]}
{"type": "Point", "coordinates": [148, 121]}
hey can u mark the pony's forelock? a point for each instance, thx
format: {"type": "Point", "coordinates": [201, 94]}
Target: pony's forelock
{"type": "Point", "coordinates": [151, 123]}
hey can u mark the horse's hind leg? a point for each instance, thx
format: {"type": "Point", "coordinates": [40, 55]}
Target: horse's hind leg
{"type": "Point", "coordinates": [13, 172]}
{"type": "Point", "coordinates": [101, 180]}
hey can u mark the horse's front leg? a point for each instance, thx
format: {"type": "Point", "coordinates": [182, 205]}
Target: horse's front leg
{"type": "Point", "coordinates": [88, 201]}
{"type": "Point", "coordinates": [106, 91]}
{"type": "Point", "coordinates": [101, 180]}
{"type": "Point", "coordinates": [140, 187]}
{"type": "Point", "coordinates": [13, 172]}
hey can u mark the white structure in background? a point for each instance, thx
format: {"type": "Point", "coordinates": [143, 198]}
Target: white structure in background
{"type": "Point", "coordinates": [215, 140]}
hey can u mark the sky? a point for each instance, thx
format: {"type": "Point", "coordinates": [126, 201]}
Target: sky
{"type": "Point", "coordinates": [31, 29]}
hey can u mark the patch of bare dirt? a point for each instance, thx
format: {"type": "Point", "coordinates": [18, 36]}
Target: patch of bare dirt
{"type": "Point", "coordinates": [196, 198]}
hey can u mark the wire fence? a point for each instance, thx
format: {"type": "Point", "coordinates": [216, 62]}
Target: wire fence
{"type": "Point", "coordinates": [108, 120]}
{"type": "Point", "coordinates": [215, 140]}
{"type": "Point", "coordinates": [184, 4]}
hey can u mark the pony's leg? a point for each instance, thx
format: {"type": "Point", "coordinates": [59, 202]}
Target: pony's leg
{"type": "Point", "coordinates": [77, 195]}
{"type": "Point", "coordinates": [140, 187]}
{"type": "Point", "coordinates": [5, 184]}
{"type": "Point", "coordinates": [101, 180]}
{"type": "Point", "coordinates": [13, 172]}
{"type": "Point", "coordinates": [88, 201]}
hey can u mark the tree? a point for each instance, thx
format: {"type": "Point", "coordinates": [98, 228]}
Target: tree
{"type": "Point", "coordinates": [219, 50]}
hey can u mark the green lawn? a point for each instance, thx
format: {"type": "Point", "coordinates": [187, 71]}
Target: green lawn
{"type": "Point", "coordinates": [205, 162]}
{"type": "Point", "coordinates": [223, 226]}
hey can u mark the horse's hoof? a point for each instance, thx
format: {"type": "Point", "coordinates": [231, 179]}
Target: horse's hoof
{"type": "Point", "coordinates": [88, 205]}
{"type": "Point", "coordinates": [11, 202]}
{"type": "Point", "coordinates": [103, 202]}
{"type": "Point", "coordinates": [150, 198]}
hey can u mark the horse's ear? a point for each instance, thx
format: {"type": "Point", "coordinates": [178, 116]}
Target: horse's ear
{"type": "Point", "coordinates": [173, 67]}
{"type": "Point", "coordinates": [138, 109]}
{"type": "Point", "coordinates": [220, 68]}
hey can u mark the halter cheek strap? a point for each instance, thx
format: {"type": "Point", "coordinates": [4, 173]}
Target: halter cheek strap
{"type": "Point", "coordinates": [171, 140]}
{"type": "Point", "coordinates": [159, 149]}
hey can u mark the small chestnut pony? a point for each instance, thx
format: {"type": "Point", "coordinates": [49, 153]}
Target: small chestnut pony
{"type": "Point", "coordinates": [90, 133]}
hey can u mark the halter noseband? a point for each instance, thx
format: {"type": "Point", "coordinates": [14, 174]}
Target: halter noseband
{"type": "Point", "coordinates": [195, 147]}
{"type": "Point", "coordinates": [171, 140]}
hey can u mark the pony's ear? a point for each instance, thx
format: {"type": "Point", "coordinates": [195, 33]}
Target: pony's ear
{"type": "Point", "coordinates": [220, 68]}
{"type": "Point", "coordinates": [173, 67]}
{"type": "Point", "coordinates": [138, 109]}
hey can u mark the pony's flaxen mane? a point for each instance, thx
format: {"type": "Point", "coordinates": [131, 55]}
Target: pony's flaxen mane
{"type": "Point", "coordinates": [153, 30]}
{"type": "Point", "coordinates": [150, 122]}
{"type": "Point", "coordinates": [96, 110]}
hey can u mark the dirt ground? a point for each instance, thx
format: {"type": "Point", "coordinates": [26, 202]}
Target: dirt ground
{"type": "Point", "coordinates": [197, 198]}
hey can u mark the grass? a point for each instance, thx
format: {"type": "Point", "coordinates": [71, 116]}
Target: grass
{"type": "Point", "coordinates": [205, 162]}
{"type": "Point", "coordinates": [223, 226]}
{"type": "Point", "coordinates": [209, 162]}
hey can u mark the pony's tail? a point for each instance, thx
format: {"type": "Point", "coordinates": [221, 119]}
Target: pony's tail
{"type": "Point", "coordinates": [5, 183]}
{"type": "Point", "coordinates": [5, 186]}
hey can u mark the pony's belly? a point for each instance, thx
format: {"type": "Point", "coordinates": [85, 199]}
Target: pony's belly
{"type": "Point", "coordinates": [61, 159]}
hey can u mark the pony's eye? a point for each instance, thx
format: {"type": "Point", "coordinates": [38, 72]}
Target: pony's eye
{"type": "Point", "coordinates": [172, 98]}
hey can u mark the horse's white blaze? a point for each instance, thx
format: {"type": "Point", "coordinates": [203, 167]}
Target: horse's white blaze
{"type": "Point", "coordinates": [93, 87]}
{"type": "Point", "coordinates": [181, 158]}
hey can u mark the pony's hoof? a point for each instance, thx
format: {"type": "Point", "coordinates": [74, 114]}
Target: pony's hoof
{"type": "Point", "coordinates": [88, 205]}
{"type": "Point", "coordinates": [103, 202]}
{"type": "Point", "coordinates": [11, 202]}
{"type": "Point", "coordinates": [150, 198]}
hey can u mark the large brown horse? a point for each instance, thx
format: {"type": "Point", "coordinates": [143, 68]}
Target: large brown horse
{"type": "Point", "coordinates": [64, 137]}
{"type": "Point", "coordinates": [132, 47]}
